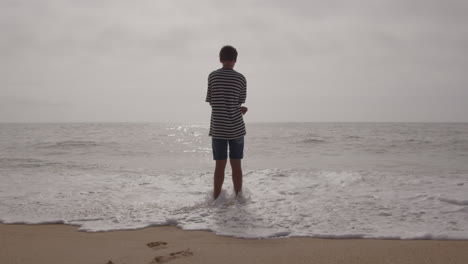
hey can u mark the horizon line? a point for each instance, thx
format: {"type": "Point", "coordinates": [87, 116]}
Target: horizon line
{"type": "Point", "coordinates": [247, 122]}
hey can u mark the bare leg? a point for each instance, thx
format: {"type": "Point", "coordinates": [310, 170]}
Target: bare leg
{"type": "Point", "coordinates": [236, 174]}
{"type": "Point", "coordinates": [219, 177]}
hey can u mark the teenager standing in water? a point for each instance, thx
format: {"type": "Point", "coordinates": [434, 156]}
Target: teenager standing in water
{"type": "Point", "coordinates": [227, 91]}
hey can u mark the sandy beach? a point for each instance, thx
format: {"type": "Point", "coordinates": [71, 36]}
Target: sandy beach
{"type": "Point", "coordinates": [55, 243]}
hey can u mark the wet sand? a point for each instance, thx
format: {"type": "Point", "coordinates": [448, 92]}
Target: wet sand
{"type": "Point", "coordinates": [55, 243]}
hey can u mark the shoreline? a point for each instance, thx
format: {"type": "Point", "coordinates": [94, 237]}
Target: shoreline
{"type": "Point", "coordinates": [279, 235]}
{"type": "Point", "coordinates": [61, 243]}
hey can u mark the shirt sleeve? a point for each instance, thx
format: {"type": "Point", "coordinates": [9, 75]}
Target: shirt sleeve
{"type": "Point", "coordinates": [208, 93]}
{"type": "Point", "coordinates": [243, 93]}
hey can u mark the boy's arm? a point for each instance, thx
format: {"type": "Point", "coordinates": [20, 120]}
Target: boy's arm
{"type": "Point", "coordinates": [208, 93]}
{"type": "Point", "coordinates": [243, 97]}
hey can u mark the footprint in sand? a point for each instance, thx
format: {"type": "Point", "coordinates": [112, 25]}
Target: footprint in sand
{"type": "Point", "coordinates": [172, 256]}
{"type": "Point", "coordinates": [157, 245]}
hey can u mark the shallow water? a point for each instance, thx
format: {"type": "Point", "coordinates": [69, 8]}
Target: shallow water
{"type": "Point", "coordinates": [380, 180]}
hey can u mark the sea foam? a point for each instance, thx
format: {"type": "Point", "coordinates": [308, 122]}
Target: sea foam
{"type": "Point", "coordinates": [392, 181]}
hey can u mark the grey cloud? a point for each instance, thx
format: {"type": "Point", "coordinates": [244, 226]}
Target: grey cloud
{"type": "Point", "coordinates": [93, 54]}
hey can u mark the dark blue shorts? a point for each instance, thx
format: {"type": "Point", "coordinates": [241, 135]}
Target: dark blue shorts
{"type": "Point", "coordinates": [220, 148]}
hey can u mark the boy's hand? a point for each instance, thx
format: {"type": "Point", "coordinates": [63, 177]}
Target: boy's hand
{"type": "Point", "coordinates": [244, 109]}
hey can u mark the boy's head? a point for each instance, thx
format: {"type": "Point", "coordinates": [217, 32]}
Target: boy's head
{"type": "Point", "coordinates": [228, 55]}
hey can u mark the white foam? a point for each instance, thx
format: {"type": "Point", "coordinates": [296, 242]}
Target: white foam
{"type": "Point", "coordinates": [274, 203]}
{"type": "Point", "coordinates": [140, 177]}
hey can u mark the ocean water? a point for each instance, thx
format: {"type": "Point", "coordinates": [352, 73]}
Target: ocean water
{"type": "Point", "coordinates": [333, 180]}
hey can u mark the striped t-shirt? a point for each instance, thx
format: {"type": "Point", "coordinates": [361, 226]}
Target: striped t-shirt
{"type": "Point", "coordinates": [227, 90]}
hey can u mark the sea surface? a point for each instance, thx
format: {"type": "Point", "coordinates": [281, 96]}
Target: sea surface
{"type": "Point", "coordinates": [329, 180]}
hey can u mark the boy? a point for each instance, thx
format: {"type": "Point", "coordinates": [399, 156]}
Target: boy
{"type": "Point", "coordinates": [227, 90]}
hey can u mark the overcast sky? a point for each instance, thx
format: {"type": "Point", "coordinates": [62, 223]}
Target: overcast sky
{"type": "Point", "coordinates": [148, 61]}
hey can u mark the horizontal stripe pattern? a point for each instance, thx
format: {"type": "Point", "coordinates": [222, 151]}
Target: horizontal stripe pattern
{"type": "Point", "coordinates": [227, 90]}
